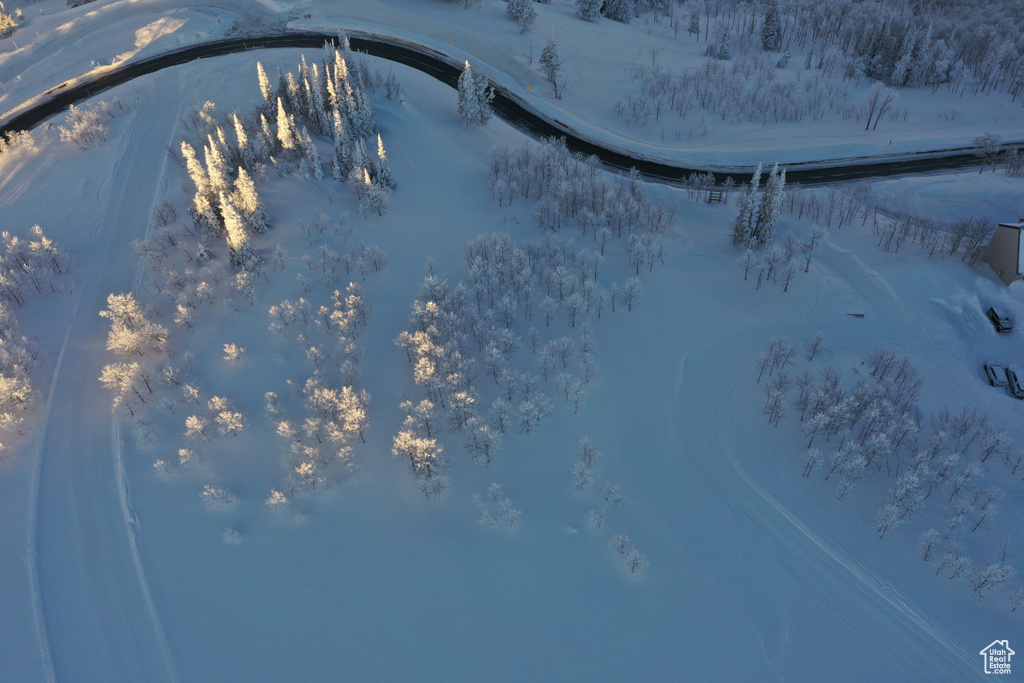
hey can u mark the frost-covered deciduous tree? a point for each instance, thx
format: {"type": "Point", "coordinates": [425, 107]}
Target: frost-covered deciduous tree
{"type": "Point", "coordinates": [583, 470]}
{"type": "Point", "coordinates": [991, 578]}
{"type": "Point", "coordinates": [634, 560]}
{"type": "Point", "coordinates": [880, 100]}
{"type": "Point", "coordinates": [131, 333]}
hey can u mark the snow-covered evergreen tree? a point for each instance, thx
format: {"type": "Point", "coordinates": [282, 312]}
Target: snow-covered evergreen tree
{"type": "Point", "coordinates": [375, 197]}
{"type": "Point", "coordinates": [240, 247]}
{"type": "Point", "coordinates": [475, 97]}
{"type": "Point", "coordinates": [246, 153]}
{"type": "Point", "coordinates": [551, 63]}
{"type": "Point", "coordinates": [341, 165]}
{"type": "Point", "coordinates": [266, 140]}
{"type": "Point", "coordinates": [216, 165]}
{"type": "Point", "coordinates": [589, 10]}
{"type": "Point", "coordinates": [744, 224]}
{"type": "Point", "coordinates": [266, 92]}
{"type": "Point", "coordinates": [619, 10]}
{"type": "Point", "coordinates": [317, 114]}
{"type": "Point", "coordinates": [771, 30]}
{"type": "Point", "coordinates": [285, 134]}
{"type": "Point", "coordinates": [384, 176]}
{"type": "Point", "coordinates": [311, 156]}
{"type": "Point", "coordinates": [202, 210]}
{"type": "Point", "coordinates": [249, 203]}
{"type": "Point", "coordinates": [771, 207]}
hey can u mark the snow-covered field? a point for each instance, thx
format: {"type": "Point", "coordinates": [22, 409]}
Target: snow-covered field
{"type": "Point", "coordinates": [113, 571]}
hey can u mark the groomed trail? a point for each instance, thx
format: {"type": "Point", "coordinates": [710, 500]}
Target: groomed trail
{"type": "Point", "coordinates": [99, 618]}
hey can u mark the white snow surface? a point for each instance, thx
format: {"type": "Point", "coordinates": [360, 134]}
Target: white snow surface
{"type": "Point", "coordinates": [111, 573]}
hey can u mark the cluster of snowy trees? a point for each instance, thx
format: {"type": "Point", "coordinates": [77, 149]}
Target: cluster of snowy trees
{"type": "Point", "coordinates": [967, 237]}
{"type": "Point", "coordinates": [7, 23]}
{"type": "Point", "coordinates": [16, 140]}
{"type": "Point", "coordinates": [973, 45]}
{"type": "Point", "coordinates": [583, 478]}
{"type": "Point", "coordinates": [28, 266]}
{"type": "Point", "coordinates": [141, 340]}
{"type": "Point", "coordinates": [497, 509]}
{"type": "Point", "coordinates": [619, 10]}
{"type": "Point", "coordinates": [747, 89]}
{"type": "Point", "coordinates": [327, 99]}
{"type": "Point", "coordinates": [33, 264]}
{"type": "Point", "coordinates": [781, 260]}
{"type": "Point", "coordinates": [333, 410]}
{"type": "Point", "coordinates": [84, 127]}
{"type": "Point", "coordinates": [462, 345]}
{"type": "Point", "coordinates": [756, 222]}
{"type": "Point", "coordinates": [17, 360]}
{"type": "Point", "coordinates": [934, 467]}
{"type": "Point", "coordinates": [323, 416]}
{"type": "Point", "coordinates": [634, 560]}
{"type": "Point", "coordinates": [975, 48]}
{"type": "Point", "coordinates": [570, 188]}
{"type": "Point", "coordinates": [754, 228]}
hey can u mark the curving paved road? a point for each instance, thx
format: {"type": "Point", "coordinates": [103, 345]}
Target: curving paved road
{"type": "Point", "coordinates": [507, 105]}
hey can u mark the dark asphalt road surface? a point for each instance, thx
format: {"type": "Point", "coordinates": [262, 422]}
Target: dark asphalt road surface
{"type": "Point", "coordinates": [506, 105]}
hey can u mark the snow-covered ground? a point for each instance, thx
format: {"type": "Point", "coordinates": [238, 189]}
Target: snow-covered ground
{"type": "Point", "coordinates": [111, 572]}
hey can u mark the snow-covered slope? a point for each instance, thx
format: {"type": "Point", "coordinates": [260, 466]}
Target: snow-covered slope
{"type": "Point", "coordinates": [116, 573]}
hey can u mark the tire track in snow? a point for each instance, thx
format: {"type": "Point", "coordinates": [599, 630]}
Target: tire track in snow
{"type": "Point", "coordinates": [31, 553]}
{"type": "Point", "coordinates": [806, 549]}
{"type": "Point", "coordinates": [97, 609]}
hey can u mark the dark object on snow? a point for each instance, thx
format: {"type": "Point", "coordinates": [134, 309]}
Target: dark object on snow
{"type": "Point", "coordinates": [1000, 321]}
{"type": "Point", "coordinates": [1014, 384]}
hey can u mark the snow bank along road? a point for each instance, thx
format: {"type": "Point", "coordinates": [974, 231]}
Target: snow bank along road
{"type": "Point", "coordinates": [507, 105]}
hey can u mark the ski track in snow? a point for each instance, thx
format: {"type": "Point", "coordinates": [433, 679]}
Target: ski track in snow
{"type": "Point", "coordinates": [797, 537]}
{"type": "Point", "coordinates": [800, 541]}
{"type": "Point", "coordinates": [98, 620]}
